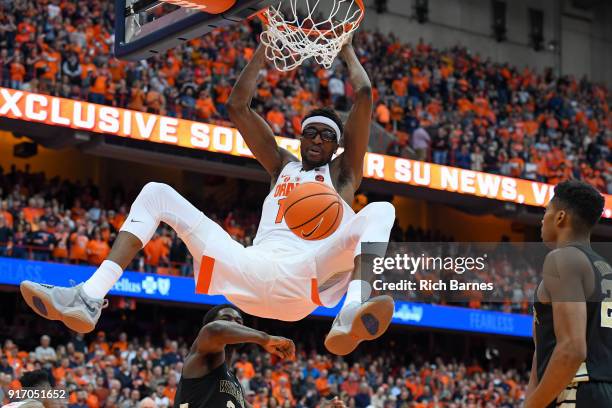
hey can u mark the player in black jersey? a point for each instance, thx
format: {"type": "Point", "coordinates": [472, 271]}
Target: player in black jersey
{"type": "Point", "coordinates": [207, 380]}
{"type": "Point", "coordinates": [572, 365]}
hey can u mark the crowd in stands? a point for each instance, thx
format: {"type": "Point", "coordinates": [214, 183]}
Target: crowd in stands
{"type": "Point", "coordinates": [124, 372]}
{"type": "Point", "coordinates": [449, 106]}
{"type": "Point", "coordinates": [61, 221]}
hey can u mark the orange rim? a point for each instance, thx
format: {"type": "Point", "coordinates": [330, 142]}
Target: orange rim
{"type": "Point", "coordinates": [327, 33]}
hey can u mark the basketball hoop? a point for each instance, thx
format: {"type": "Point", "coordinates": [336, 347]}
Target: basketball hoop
{"type": "Point", "coordinates": [300, 29]}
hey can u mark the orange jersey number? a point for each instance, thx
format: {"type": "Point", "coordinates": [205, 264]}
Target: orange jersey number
{"type": "Point", "coordinates": [281, 210]}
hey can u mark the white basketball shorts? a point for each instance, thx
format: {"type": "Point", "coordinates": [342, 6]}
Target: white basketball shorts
{"type": "Point", "coordinates": [269, 281]}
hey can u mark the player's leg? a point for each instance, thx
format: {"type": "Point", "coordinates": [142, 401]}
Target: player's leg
{"type": "Point", "coordinates": [362, 316]}
{"type": "Point", "coordinates": [79, 307]}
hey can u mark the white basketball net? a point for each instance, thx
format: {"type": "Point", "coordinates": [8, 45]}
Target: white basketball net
{"type": "Point", "coordinates": [309, 28]}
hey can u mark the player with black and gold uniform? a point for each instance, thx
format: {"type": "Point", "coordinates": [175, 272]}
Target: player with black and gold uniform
{"type": "Point", "coordinates": [207, 380]}
{"type": "Point", "coordinates": [572, 365]}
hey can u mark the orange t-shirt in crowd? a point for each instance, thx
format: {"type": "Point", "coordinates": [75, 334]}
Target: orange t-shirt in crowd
{"type": "Point", "coordinates": [97, 251]}
{"type": "Point", "coordinates": [205, 107]}
{"type": "Point", "coordinates": [60, 372]}
{"type": "Point", "coordinates": [99, 85]}
{"type": "Point", "coordinates": [264, 93]}
{"type": "Point", "coordinates": [247, 369]}
{"type": "Point", "coordinates": [137, 99]}
{"type": "Point", "coordinates": [296, 122]}
{"type": "Point", "coordinates": [116, 69]}
{"type": "Point", "coordinates": [223, 93]}
{"type": "Point", "coordinates": [103, 345]}
{"type": "Point", "coordinates": [61, 249]}
{"type": "Point", "coordinates": [117, 221]}
{"type": "Point", "coordinates": [322, 386]}
{"type": "Point", "coordinates": [87, 69]}
{"type": "Point", "coordinates": [154, 100]}
{"type": "Point", "coordinates": [17, 72]}
{"type": "Point", "coordinates": [278, 394]}
{"type": "Point", "coordinates": [105, 233]}
{"type": "Point", "coordinates": [383, 115]}
{"type": "Point", "coordinates": [154, 251]}
{"type": "Point", "coordinates": [24, 32]}
{"type": "Point", "coordinates": [92, 401]}
{"type": "Point", "coordinates": [464, 105]}
{"type": "Point", "coordinates": [53, 63]}
{"type": "Point", "coordinates": [531, 127]}
{"type": "Point", "coordinates": [400, 87]}
{"type": "Point", "coordinates": [120, 345]}
{"type": "Point", "coordinates": [8, 218]}
{"type": "Point", "coordinates": [78, 247]}
{"type": "Point", "coordinates": [276, 118]}
{"type": "Point", "coordinates": [170, 392]}
{"type": "Point", "coordinates": [31, 213]}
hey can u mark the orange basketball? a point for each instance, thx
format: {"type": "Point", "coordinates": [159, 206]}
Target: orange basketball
{"type": "Point", "coordinates": [313, 211]}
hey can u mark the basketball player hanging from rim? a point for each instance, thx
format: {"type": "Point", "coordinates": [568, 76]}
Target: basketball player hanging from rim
{"type": "Point", "coordinates": [281, 276]}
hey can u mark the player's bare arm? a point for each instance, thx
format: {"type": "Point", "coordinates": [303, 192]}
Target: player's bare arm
{"type": "Point", "coordinates": [209, 347]}
{"type": "Point", "coordinates": [256, 132]}
{"type": "Point", "coordinates": [566, 285]}
{"type": "Point", "coordinates": [347, 168]}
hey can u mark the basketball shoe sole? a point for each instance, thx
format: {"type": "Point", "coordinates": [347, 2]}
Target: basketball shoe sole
{"type": "Point", "coordinates": [371, 321]}
{"type": "Point", "coordinates": [71, 306]}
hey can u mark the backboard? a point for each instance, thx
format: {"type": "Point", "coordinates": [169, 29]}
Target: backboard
{"type": "Point", "coordinates": [144, 28]}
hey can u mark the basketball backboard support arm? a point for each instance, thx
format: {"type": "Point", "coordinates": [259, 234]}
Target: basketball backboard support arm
{"type": "Point", "coordinates": [137, 40]}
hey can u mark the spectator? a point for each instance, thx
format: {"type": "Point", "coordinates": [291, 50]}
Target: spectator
{"type": "Point", "coordinates": [6, 238]}
{"type": "Point", "coordinates": [5, 366]}
{"type": "Point", "coordinates": [276, 119]}
{"type": "Point", "coordinates": [311, 371]}
{"type": "Point", "coordinates": [336, 89]}
{"type": "Point", "coordinates": [463, 158]}
{"type": "Point", "coordinates": [477, 159]}
{"type": "Point", "coordinates": [42, 241]}
{"type": "Point", "coordinates": [383, 115]}
{"type": "Point", "coordinates": [45, 353]}
{"type": "Point", "coordinates": [421, 142]}
{"type": "Point", "coordinates": [440, 147]}
{"type": "Point", "coordinates": [97, 249]}
{"type": "Point", "coordinates": [170, 388]}
{"type": "Point", "coordinates": [72, 69]}
{"type": "Point", "coordinates": [6, 214]}
{"type": "Point", "coordinates": [172, 356]}
{"type": "Point", "coordinates": [150, 403]}
{"type": "Point", "coordinates": [156, 253]}
{"type": "Point", "coordinates": [362, 399]}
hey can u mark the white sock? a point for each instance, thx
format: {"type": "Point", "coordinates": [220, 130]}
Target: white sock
{"type": "Point", "coordinates": [103, 280]}
{"type": "Point", "coordinates": [358, 291]}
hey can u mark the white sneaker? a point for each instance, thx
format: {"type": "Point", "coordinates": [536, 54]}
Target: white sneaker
{"type": "Point", "coordinates": [70, 305]}
{"type": "Point", "coordinates": [357, 322]}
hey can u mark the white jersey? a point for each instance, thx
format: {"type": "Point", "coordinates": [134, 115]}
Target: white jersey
{"type": "Point", "coordinates": [273, 232]}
